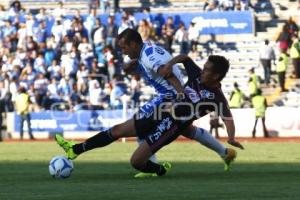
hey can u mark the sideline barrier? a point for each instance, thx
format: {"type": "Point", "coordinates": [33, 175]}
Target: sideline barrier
{"type": "Point", "coordinates": [280, 121]}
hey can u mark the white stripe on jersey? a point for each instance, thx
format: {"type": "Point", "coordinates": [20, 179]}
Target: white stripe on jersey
{"type": "Point", "coordinates": [151, 58]}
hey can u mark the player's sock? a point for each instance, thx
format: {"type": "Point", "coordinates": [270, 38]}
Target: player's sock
{"type": "Point", "coordinates": [151, 167]}
{"type": "Point", "coordinates": [204, 137]}
{"type": "Point", "coordinates": [100, 140]}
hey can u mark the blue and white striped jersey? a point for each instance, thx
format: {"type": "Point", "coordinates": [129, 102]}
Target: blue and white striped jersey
{"type": "Point", "coordinates": [151, 58]}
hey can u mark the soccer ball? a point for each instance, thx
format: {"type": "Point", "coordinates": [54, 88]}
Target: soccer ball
{"type": "Point", "coordinates": [60, 167]}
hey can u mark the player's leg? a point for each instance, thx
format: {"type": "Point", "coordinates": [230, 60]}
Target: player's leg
{"type": "Point", "coordinates": [205, 138]}
{"type": "Point", "coordinates": [140, 161]}
{"type": "Point", "coordinates": [153, 157]}
{"type": "Point", "coordinates": [101, 139]}
{"type": "Point", "coordinates": [162, 133]}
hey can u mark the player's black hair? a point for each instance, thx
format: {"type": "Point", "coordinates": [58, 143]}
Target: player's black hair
{"type": "Point", "coordinates": [130, 35]}
{"type": "Point", "coordinates": [221, 65]}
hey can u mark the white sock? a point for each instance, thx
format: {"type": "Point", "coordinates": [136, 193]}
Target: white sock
{"type": "Point", "coordinates": [153, 157]}
{"type": "Point", "coordinates": [205, 138]}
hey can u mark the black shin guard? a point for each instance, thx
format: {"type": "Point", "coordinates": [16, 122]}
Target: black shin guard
{"type": "Point", "coordinates": [100, 140]}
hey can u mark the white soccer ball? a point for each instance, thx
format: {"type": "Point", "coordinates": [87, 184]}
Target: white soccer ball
{"type": "Point", "coordinates": [60, 167]}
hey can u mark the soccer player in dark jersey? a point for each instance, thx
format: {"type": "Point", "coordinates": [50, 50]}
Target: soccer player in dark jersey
{"type": "Point", "coordinates": [203, 95]}
{"type": "Point", "coordinates": [203, 86]}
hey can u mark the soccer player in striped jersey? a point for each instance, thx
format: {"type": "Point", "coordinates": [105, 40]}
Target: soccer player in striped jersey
{"type": "Point", "coordinates": [147, 60]}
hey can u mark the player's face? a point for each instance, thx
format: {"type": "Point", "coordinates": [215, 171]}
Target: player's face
{"type": "Point", "coordinates": [209, 77]}
{"type": "Point", "coordinates": [128, 49]}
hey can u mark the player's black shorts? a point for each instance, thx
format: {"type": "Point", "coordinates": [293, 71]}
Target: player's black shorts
{"type": "Point", "coordinates": [145, 119]}
{"type": "Point", "coordinates": [164, 132]}
{"type": "Point", "coordinates": [159, 131]}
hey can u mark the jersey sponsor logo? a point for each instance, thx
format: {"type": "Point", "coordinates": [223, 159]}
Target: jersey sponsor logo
{"type": "Point", "coordinates": [205, 94]}
{"type": "Point", "coordinates": [192, 94]}
{"type": "Point", "coordinates": [161, 128]}
{"type": "Point", "coordinates": [159, 50]}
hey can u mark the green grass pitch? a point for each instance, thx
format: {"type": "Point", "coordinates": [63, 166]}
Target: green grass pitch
{"type": "Point", "coordinates": [262, 171]}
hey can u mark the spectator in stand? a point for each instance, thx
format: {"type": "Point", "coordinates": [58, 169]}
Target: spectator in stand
{"type": "Point", "coordinates": [145, 30]}
{"type": "Point", "coordinates": [94, 4]}
{"type": "Point", "coordinates": [57, 30]}
{"type": "Point", "coordinates": [15, 9]}
{"type": "Point", "coordinates": [52, 99]}
{"type": "Point", "coordinates": [86, 51]}
{"type": "Point", "coordinates": [99, 38]}
{"type": "Point", "coordinates": [211, 5]}
{"type": "Point", "coordinates": [97, 73]}
{"type": "Point", "coordinates": [132, 23]}
{"type": "Point", "coordinates": [90, 22]}
{"type": "Point", "coordinates": [118, 92]}
{"type": "Point", "coordinates": [60, 11]}
{"type": "Point", "coordinates": [245, 4]}
{"type": "Point", "coordinates": [82, 76]}
{"type": "Point", "coordinates": [284, 39]}
{"type": "Point", "coordinates": [110, 62]}
{"type": "Point", "coordinates": [40, 87]}
{"type": "Point", "coordinates": [266, 55]}
{"type": "Point", "coordinates": [193, 35]}
{"type": "Point", "coordinates": [3, 16]}
{"type": "Point", "coordinates": [42, 15]}
{"type": "Point", "coordinates": [292, 27]}
{"type": "Point", "coordinates": [39, 64]}
{"type": "Point", "coordinates": [281, 69]}
{"type": "Point", "coordinates": [226, 5]}
{"type": "Point", "coordinates": [168, 31]}
{"type": "Point", "coordinates": [96, 95]}
{"type": "Point", "coordinates": [22, 108]}
{"type": "Point", "coordinates": [69, 63]}
{"type": "Point", "coordinates": [50, 55]}
{"type": "Point", "coordinates": [22, 34]}
{"type": "Point", "coordinates": [181, 37]}
{"type": "Point", "coordinates": [295, 55]}
{"type": "Point", "coordinates": [10, 35]}
{"type": "Point", "coordinates": [124, 24]}
{"type": "Point", "coordinates": [40, 34]}
{"type": "Point", "coordinates": [105, 6]}
{"type": "Point", "coordinates": [111, 31]}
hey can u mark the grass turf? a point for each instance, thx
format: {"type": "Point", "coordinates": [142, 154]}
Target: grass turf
{"type": "Point", "coordinates": [262, 171]}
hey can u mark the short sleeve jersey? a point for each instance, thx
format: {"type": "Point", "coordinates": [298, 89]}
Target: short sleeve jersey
{"type": "Point", "coordinates": [152, 57]}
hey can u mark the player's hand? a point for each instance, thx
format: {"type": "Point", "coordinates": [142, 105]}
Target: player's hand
{"type": "Point", "coordinates": [235, 143]}
{"type": "Point", "coordinates": [128, 67]}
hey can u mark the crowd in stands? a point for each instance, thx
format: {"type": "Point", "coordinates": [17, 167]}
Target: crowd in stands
{"type": "Point", "coordinates": [227, 5]}
{"type": "Point", "coordinates": [73, 62]}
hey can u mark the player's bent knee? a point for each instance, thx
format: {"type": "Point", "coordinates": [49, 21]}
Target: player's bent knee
{"type": "Point", "coordinates": [136, 163]}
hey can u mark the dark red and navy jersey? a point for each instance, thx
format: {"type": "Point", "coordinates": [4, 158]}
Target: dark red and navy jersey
{"type": "Point", "coordinates": [204, 99]}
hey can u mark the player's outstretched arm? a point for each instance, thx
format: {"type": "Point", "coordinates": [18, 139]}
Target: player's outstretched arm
{"type": "Point", "coordinates": [229, 123]}
{"type": "Point", "coordinates": [167, 70]}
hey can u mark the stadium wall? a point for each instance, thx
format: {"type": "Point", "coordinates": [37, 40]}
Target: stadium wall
{"type": "Point", "coordinates": [280, 121]}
